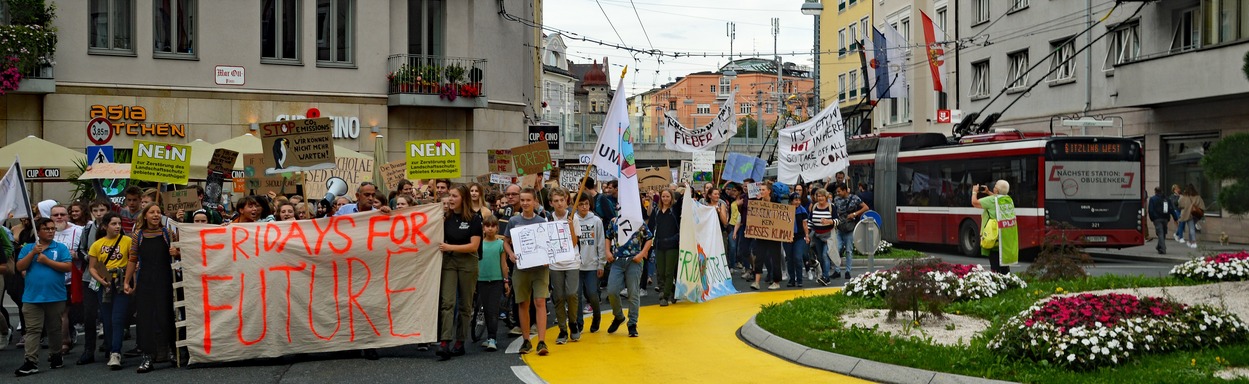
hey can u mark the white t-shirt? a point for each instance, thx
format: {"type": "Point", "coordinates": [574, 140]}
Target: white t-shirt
{"type": "Point", "coordinates": [70, 236]}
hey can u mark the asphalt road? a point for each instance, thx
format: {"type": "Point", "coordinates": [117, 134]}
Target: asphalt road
{"type": "Point", "coordinates": [407, 364]}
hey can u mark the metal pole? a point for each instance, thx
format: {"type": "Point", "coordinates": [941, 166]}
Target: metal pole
{"type": "Point", "coordinates": [1088, 58]}
{"type": "Point", "coordinates": [816, 73]}
{"type": "Point", "coordinates": [776, 31]}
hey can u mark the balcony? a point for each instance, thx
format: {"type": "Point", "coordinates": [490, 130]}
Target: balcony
{"type": "Point", "coordinates": [435, 81]}
{"type": "Point", "coordinates": [1190, 76]}
{"type": "Point", "coordinates": [32, 49]}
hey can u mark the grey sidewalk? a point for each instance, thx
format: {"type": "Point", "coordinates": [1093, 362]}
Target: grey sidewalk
{"type": "Point", "coordinates": [1176, 252]}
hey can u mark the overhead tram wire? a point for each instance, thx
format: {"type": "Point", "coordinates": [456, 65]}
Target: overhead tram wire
{"type": "Point", "coordinates": [609, 23]}
{"type": "Point", "coordinates": [639, 17]}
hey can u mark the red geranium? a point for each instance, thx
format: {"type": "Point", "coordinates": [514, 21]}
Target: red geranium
{"type": "Point", "coordinates": [1227, 257]}
{"type": "Point", "coordinates": [1108, 309]}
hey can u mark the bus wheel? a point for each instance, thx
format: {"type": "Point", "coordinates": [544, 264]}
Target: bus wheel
{"type": "Point", "coordinates": [969, 239]}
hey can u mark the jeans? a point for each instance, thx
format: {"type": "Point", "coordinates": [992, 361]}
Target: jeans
{"type": "Point", "coordinates": [114, 316]}
{"type": "Point", "coordinates": [490, 295]}
{"type": "Point", "coordinates": [819, 245]}
{"type": "Point", "coordinates": [1190, 226]}
{"type": "Point", "coordinates": [459, 280]}
{"type": "Point", "coordinates": [1160, 231]}
{"type": "Point", "coordinates": [845, 247]}
{"type": "Point", "coordinates": [667, 265]}
{"type": "Point", "coordinates": [1179, 228]}
{"type": "Point", "coordinates": [625, 274]}
{"type": "Point", "coordinates": [566, 284]}
{"type": "Point", "coordinates": [744, 256]}
{"type": "Point", "coordinates": [90, 313]}
{"type": "Point", "coordinates": [42, 317]}
{"type": "Point", "coordinates": [795, 254]}
{"type": "Point", "coordinates": [730, 247]}
{"type": "Point", "coordinates": [589, 290]}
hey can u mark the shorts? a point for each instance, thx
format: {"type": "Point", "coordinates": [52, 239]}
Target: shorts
{"type": "Point", "coordinates": [532, 283]}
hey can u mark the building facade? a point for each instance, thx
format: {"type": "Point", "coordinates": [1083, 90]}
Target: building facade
{"type": "Point", "coordinates": [842, 81]}
{"type": "Point", "coordinates": [558, 101]}
{"type": "Point", "coordinates": [399, 69]}
{"type": "Point", "coordinates": [1168, 76]}
{"type": "Point", "coordinates": [918, 111]}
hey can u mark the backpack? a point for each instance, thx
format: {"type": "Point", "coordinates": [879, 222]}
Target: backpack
{"type": "Point", "coordinates": [988, 235]}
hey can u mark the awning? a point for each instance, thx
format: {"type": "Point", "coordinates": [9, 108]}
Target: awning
{"type": "Point", "coordinates": [44, 155]}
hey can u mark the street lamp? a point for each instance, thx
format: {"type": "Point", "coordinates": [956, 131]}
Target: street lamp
{"type": "Point", "coordinates": [815, 8]}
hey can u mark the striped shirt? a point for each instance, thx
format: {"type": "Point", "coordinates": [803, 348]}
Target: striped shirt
{"type": "Point", "coordinates": [819, 214]}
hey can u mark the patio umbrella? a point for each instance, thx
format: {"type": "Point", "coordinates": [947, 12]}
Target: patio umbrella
{"type": "Point", "coordinates": [201, 154]}
{"type": "Point", "coordinates": [40, 153]}
{"type": "Point", "coordinates": [379, 159]}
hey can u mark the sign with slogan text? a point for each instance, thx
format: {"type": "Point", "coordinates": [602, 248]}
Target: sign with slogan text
{"type": "Point", "coordinates": [654, 178]}
{"type": "Point", "coordinates": [814, 149]}
{"type": "Point", "coordinates": [105, 171]}
{"type": "Point", "coordinates": [770, 221]}
{"type": "Point", "coordinates": [433, 159]}
{"type": "Point", "coordinates": [531, 159]}
{"type": "Point", "coordinates": [394, 172]}
{"type": "Point", "coordinates": [542, 244]}
{"type": "Point", "coordinates": [222, 160]}
{"type": "Point", "coordinates": [353, 170]}
{"type": "Point", "coordinates": [260, 290]}
{"type": "Point", "coordinates": [499, 160]}
{"type": "Point", "coordinates": [180, 199]}
{"type": "Point", "coordinates": [545, 133]}
{"type": "Point", "coordinates": [702, 270]}
{"type": "Point", "coordinates": [704, 160]}
{"type": "Point", "coordinates": [99, 154]}
{"type": "Point", "coordinates": [297, 145]}
{"type": "Point", "coordinates": [687, 172]}
{"type": "Point", "coordinates": [257, 180]}
{"type": "Point", "coordinates": [160, 162]}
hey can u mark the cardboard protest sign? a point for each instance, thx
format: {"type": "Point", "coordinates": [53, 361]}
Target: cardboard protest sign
{"type": "Point", "coordinates": [702, 270]}
{"type": "Point", "coordinates": [703, 160]}
{"type": "Point", "coordinates": [542, 244]}
{"type": "Point", "coordinates": [814, 149]}
{"type": "Point", "coordinates": [433, 159]}
{"type": "Point", "coordinates": [258, 290]}
{"type": "Point", "coordinates": [531, 159]}
{"type": "Point", "coordinates": [499, 160]}
{"type": "Point", "coordinates": [222, 161]}
{"type": "Point", "coordinates": [394, 172]}
{"type": "Point", "coordinates": [256, 179]}
{"type": "Point", "coordinates": [687, 172]}
{"type": "Point", "coordinates": [770, 221]}
{"type": "Point", "coordinates": [352, 170]}
{"type": "Point", "coordinates": [105, 171]}
{"type": "Point", "coordinates": [297, 145]}
{"type": "Point", "coordinates": [160, 162]}
{"type": "Point", "coordinates": [182, 199]}
{"type": "Point", "coordinates": [654, 179]}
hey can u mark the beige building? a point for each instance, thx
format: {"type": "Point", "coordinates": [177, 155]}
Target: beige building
{"type": "Point", "coordinates": [917, 112]}
{"type": "Point", "coordinates": [211, 70]}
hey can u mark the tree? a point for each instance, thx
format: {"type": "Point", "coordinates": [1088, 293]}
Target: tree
{"type": "Point", "coordinates": [747, 126]}
{"type": "Point", "coordinates": [1225, 160]}
{"type": "Point", "coordinates": [1246, 67]}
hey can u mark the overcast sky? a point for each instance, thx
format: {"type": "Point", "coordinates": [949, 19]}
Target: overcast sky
{"type": "Point", "coordinates": [678, 26]}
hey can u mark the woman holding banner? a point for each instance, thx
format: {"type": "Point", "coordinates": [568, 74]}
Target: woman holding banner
{"type": "Point", "coordinates": [665, 223]}
{"type": "Point", "coordinates": [462, 236]}
{"type": "Point", "coordinates": [149, 279]}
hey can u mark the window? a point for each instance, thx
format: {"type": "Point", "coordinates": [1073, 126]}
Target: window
{"type": "Point", "coordinates": [1187, 33]}
{"type": "Point", "coordinates": [1225, 20]}
{"type": "Point", "coordinates": [867, 31]}
{"type": "Point", "coordinates": [852, 82]}
{"type": "Point", "coordinates": [704, 109]}
{"type": "Point", "coordinates": [712, 88]}
{"type": "Point", "coordinates": [336, 30]}
{"type": "Point", "coordinates": [767, 108]}
{"type": "Point", "coordinates": [942, 183]}
{"type": "Point", "coordinates": [841, 42]}
{"type": "Point", "coordinates": [941, 12]}
{"type": "Point", "coordinates": [111, 27]}
{"type": "Point", "coordinates": [1181, 165]}
{"type": "Point", "coordinates": [425, 27]}
{"type": "Point", "coordinates": [1019, 4]}
{"type": "Point", "coordinates": [841, 5]}
{"type": "Point", "coordinates": [1125, 45]}
{"type": "Point", "coordinates": [1017, 73]}
{"type": "Point", "coordinates": [279, 30]}
{"type": "Point", "coordinates": [744, 108]}
{"type": "Point", "coordinates": [981, 7]}
{"type": "Point", "coordinates": [1064, 60]}
{"type": "Point", "coordinates": [173, 27]}
{"type": "Point", "coordinates": [841, 87]}
{"type": "Point", "coordinates": [672, 105]}
{"type": "Point", "coordinates": [593, 106]}
{"type": "Point", "coordinates": [853, 35]}
{"type": "Point", "coordinates": [726, 85]}
{"type": "Point", "coordinates": [980, 79]}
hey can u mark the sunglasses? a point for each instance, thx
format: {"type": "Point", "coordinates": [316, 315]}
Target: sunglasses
{"type": "Point", "coordinates": [48, 229]}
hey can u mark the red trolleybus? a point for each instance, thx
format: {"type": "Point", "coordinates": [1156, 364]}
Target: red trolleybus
{"type": "Point", "coordinates": [921, 186]}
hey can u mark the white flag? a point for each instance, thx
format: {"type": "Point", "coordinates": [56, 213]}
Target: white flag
{"type": "Point", "coordinates": [702, 270]}
{"type": "Point", "coordinates": [814, 149]}
{"type": "Point", "coordinates": [679, 138]}
{"type": "Point", "coordinates": [13, 198]}
{"type": "Point", "coordinates": [614, 153]}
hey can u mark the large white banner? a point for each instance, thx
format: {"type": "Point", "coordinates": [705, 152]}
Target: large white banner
{"type": "Point", "coordinates": [365, 280]}
{"type": "Point", "coordinates": [719, 130]}
{"type": "Point", "coordinates": [702, 270]}
{"type": "Point", "coordinates": [814, 149]}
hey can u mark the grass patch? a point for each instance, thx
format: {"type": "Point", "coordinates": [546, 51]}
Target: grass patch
{"type": "Point", "coordinates": [815, 322]}
{"type": "Point", "coordinates": [894, 253]}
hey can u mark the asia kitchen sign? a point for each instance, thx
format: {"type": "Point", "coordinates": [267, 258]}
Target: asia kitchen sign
{"type": "Point", "coordinates": [130, 120]}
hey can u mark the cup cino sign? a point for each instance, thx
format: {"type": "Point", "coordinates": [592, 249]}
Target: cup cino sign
{"type": "Point", "coordinates": [132, 121]}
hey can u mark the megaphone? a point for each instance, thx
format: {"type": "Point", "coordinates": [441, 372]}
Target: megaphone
{"type": "Point", "coordinates": [335, 187]}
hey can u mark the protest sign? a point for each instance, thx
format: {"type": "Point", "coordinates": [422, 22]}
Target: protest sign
{"type": "Point", "coordinates": [106, 171]}
{"type": "Point", "coordinates": [258, 290]}
{"type": "Point", "coordinates": [770, 221]}
{"type": "Point", "coordinates": [352, 170]}
{"type": "Point", "coordinates": [542, 244]}
{"type": "Point", "coordinates": [297, 145]}
{"type": "Point", "coordinates": [499, 160]}
{"type": "Point", "coordinates": [433, 159]}
{"type": "Point", "coordinates": [702, 270]}
{"type": "Point", "coordinates": [687, 172]}
{"type": "Point", "coordinates": [724, 126]}
{"type": "Point", "coordinates": [160, 162]}
{"type": "Point", "coordinates": [181, 199]}
{"type": "Point", "coordinates": [496, 178]}
{"type": "Point", "coordinates": [570, 177]}
{"type": "Point", "coordinates": [222, 161]}
{"type": "Point", "coordinates": [654, 178]}
{"type": "Point", "coordinates": [256, 179]}
{"type": "Point", "coordinates": [814, 149]}
{"type": "Point", "coordinates": [394, 172]}
{"type": "Point", "coordinates": [739, 167]}
{"type": "Point", "coordinates": [531, 159]}
{"type": "Point", "coordinates": [703, 160]}
{"type": "Point", "coordinates": [483, 179]}
{"type": "Point", "coordinates": [753, 190]}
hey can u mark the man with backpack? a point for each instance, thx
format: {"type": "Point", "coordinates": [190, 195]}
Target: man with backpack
{"type": "Point", "coordinates": [1159, 214]}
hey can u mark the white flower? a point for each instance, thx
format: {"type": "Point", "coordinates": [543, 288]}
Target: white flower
{"type": "Point", "coordinates": [1071, 357]}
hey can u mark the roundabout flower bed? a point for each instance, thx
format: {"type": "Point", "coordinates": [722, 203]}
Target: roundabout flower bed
{"type": "Point", "coordinates": [1221, 267]}
{"type": "Point", "coordinates": [955, 281]}
{"type": "Point", "coordinates": [1087, 330]}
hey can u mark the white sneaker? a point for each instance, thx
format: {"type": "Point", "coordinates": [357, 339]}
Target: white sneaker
{"type": "Point", "coordinates": [1192, 245]}
{"type": "Point", "coordinates": [774, 286]}
{"type": "Point", "coordinates": [490, 345]}
{"type": "Point", "coordinates": [644, 291]}
{"type": "Point", "coordinates": [114, 360]}
{"type": "Point", "coordinates": [1177, 238]}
